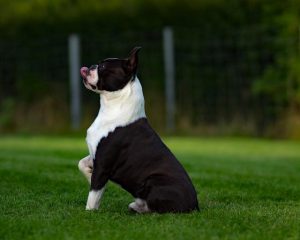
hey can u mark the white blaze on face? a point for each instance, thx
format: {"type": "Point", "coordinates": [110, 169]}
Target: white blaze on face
{"type": "Point", "coordinates": [92, 78]}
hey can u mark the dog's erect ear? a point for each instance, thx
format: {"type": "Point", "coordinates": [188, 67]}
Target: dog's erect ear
{"type": "Point", "coordinates": [132, 60]}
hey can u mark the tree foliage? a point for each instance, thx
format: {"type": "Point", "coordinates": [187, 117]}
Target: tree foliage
{"type": "Point", "coordinates": [278, 82]}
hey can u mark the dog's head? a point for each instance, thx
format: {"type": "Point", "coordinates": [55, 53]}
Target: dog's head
{"type": "Point", "coordinates": [111, 74]}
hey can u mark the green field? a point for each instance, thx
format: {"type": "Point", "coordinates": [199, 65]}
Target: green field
{"type": "Point", "coordinates": [248, 189]}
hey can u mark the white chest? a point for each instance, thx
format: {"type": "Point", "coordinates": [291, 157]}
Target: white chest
{"type": "Point", "coordinates": [93, 137]}
{"type": "Point", "coordinates": [98, 130]}
{"type": "Point", "coordinates": [118, 109]}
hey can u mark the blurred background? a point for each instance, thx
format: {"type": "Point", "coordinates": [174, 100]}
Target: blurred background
{"type": "Point", "coordinates": [208, 67]}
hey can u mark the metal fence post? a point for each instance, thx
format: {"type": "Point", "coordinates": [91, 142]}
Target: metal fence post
{"type": "Point", "coordinates": [74, 67]}
{"type": "Point", "coordinates": [168, 48]}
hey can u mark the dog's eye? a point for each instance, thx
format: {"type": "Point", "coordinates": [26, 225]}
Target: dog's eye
{"type": "Point", "coordinates": [93, 67]}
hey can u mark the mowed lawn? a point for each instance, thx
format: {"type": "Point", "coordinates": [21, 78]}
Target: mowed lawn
{"type": "Point", "coordinates": [247, 188]}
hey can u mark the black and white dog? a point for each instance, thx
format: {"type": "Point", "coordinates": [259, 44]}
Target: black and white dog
{"type": "Point", "coordinates": [125, 149]}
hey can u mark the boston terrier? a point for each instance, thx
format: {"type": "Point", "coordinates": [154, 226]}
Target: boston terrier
{"type": "Point", "coordinates": [125, 149]}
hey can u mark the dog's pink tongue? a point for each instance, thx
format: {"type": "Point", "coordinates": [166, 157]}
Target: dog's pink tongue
{"type": "Point", "coordinates": [84, 71]}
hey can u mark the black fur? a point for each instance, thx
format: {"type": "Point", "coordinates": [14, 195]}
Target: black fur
{"type": "Point", "coordinates": [115, 73]}
{"type": "Point", "coordinates": [135, 158]}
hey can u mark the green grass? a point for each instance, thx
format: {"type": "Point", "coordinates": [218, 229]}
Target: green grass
{"type": "Point", "coordinates": [248, 189]}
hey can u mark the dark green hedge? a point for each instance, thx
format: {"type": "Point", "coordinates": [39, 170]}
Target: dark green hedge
{"type": "Point", "coordinates": [277, 83]}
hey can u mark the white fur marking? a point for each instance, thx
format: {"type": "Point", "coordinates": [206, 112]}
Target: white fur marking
{"type": "Point", "coordinates": [92, 79]}
{"type": "Point", "coordinates": [85, 165]}
{"type": "Point", "coordinates": [94, 198]}
{"type": "Point", "coordinates": [118, 109]}
{"type": "Point", "coordinates": [139, 206]}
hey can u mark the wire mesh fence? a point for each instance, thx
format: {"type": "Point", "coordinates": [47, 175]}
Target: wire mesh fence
{"type": "Point", "coordinates": [218, 79]}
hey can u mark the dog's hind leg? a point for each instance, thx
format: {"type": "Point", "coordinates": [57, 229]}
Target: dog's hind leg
{"type": "Point", "coordinates": [85, 165]}
{"type": "Point", "coordinates": [139, 206]}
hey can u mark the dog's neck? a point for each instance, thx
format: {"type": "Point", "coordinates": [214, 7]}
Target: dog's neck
{"type": "Point", "coordinates": [123, 106]}
{"type": "Point", "coordinates": [118, 109]}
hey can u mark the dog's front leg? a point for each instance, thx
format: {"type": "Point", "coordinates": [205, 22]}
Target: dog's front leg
{"type": "Point", "coordinates": [98, 182]}
{"type": "Point", "coordinates": [94, 198]}
{"type": "Point", "coordinates": [85, 165]}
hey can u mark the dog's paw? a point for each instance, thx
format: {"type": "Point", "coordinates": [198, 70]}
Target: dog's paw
{"type": "Point", "coordinates": [132, 207]}
{"type": "Point", "coordinates": [87, 208]}
{"type": "Point", "coordinates": [88, 170]}
{"type": "Point", "coordinates": [139, 206]}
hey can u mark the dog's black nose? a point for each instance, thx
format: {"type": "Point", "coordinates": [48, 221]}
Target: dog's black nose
{"type": "Point", "coordinates": [93, 67]}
